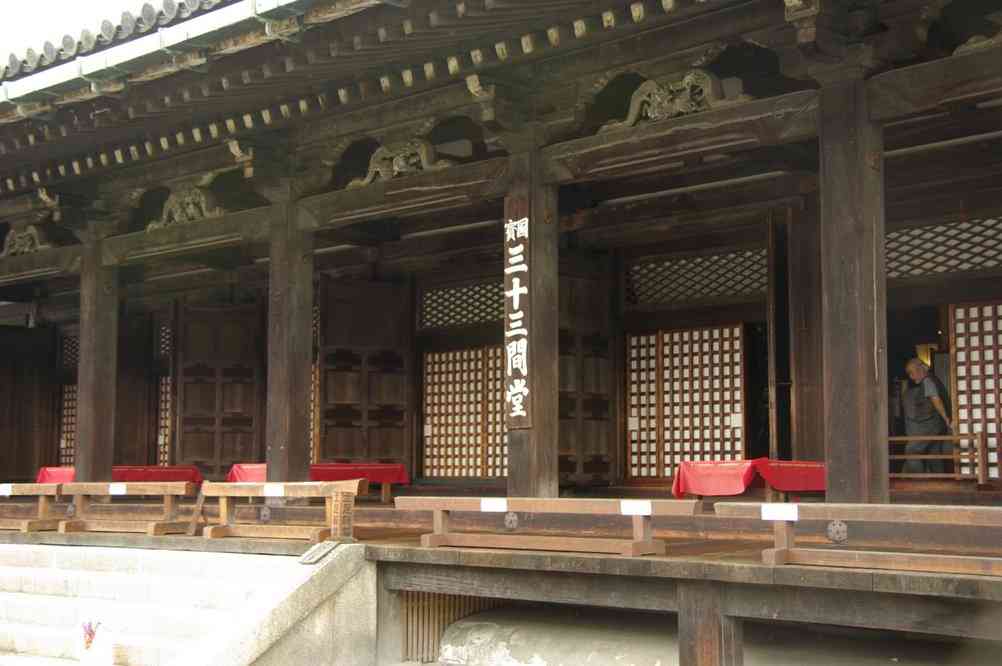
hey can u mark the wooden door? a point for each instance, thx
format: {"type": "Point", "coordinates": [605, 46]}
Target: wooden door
{"type": "Point", "coordinates": [365, 372]}
{"type": "Point", "coordinates": [220, 377]}
{"type": "Point", "coordinates": [29, 393]}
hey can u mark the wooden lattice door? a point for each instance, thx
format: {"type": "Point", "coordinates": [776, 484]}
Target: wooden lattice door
{"type": "Point", "coordinates": [219, 389]}
{"type": "Point", "coordinates": [365, 369]}
{"type": "Point", "coordinates": [686, 399]}
{"type": "Point", "coordinates": [977, 375]}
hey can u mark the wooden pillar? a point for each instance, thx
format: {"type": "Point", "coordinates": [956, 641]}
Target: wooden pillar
{"type": "Point", "coordinates": [531, 331]}
{"type": "Point", "coordinates": [778, 313]}
{"type": "Point", "coordinates": [854, 293]}
{"type": "Point", "coordinates": [807, 408]}
{"type": "Point", "coordinates": [290, 348]}
{"type": "Point", "coordinates": [706, 636]}
{"type": "Point", "coordinates": [97, 375]}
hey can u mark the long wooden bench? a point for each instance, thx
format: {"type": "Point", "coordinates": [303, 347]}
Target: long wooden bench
{"type": "Point", "coordinates": [785, 551]}
{"type": "Point", "coordinates": [45, 494]}
{"type": "Point", "coordinates": [339, 502]}
{"type": "Point", "coordinates": [640, 511]}
{"type": "Point", "coordinates": [83, 519]}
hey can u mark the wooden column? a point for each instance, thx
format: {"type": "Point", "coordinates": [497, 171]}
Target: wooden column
{"type": "Point", "coordinates": [97, 375]}
{"type": "Point", "coordinates": [853, 287]}
{"type": "Point", "coordinates": [778, 313]}
{"type": "Point", "coordinates": [706, 636]}
{"type": "Point", "coordinates": [290, 348]}
{"type": "Point", "coordinates": [807, 408]}
{"type": "Point", "coordinates": [532, 396]}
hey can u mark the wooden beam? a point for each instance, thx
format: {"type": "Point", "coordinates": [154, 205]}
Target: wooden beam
{"type": "Point", "coordinates": [97, 376]}
{"type": "Point", "coordinates": [532, 231]}
{"type": "Point", "coordinates": [706, 635]}
{"type": "Point", "coordinates": [807, 434]}
{"type": "Point", "coordinates": [853, 295]}
{"type": "Point", "coordinates": [956, 81]}
{"type": "Point", "coordinates": [290, 348]}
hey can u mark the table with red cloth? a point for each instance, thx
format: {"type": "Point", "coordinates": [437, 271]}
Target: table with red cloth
{"type": "Point", "coordinates": [385, 474]}
{"type": "Point", "coordinates": [127, 474]}
{"type": "Point", "coordinates": [733, 477]}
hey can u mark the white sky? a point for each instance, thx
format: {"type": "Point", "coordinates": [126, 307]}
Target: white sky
{"type": "Point", "coordinates": [30, 23]}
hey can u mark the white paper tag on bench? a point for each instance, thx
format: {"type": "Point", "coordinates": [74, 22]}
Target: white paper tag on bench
{"type": "Point", "coordinates": [116, 489]}
{"type": "Point", "coordinates": [274, 490]}
{"type": "Point", "coordinates": [494, 504]}
{"type": "Point", "coordinates": [6, 489]}
{"type": "Point", "coordinates": [780, 511]}
{"type": "Point", "coordinates": [635, 507]}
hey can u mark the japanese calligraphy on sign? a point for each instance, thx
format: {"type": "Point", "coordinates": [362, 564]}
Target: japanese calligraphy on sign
{"type": "Point", "coordinates": [516, 333]}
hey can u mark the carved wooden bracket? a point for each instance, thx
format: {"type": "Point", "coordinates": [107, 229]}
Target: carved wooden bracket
{"type": "Point", "coordinates": [399, 159]}
{"type": "Point", "coordinates": [187, 205]}
{"type": "Point", "coordinates": [978, 42]}
{"type": "Point", "coordinates": [33, 225]}
{"type": "Point", "coordinates": [660, 99]}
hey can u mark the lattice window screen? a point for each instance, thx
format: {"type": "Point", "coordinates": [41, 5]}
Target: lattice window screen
{"type": "Point", "coordinates": [445, 307]}
{"type": "Point", "coordinates": [686, 394]}
{"type": "Point", "coordinates": [165, 393]}
{"type": "Point", "coordinates": [977, 372]}
{"type": "Point", "coordinates": [463, 431]}
{"type": "Point", "coordinates": [314, 411]}
{"type": "Point", "coordinates": [944, 248]}
{"type": "Point", "coordinates": [69, 356]}
{"type": "Point", "coordinates": [68, 425]}
{"type": "Point", "coordinates": [698, 278]}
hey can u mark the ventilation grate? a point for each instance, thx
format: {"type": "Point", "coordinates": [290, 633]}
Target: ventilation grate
{"type": "Point", "coordinates": [446, 307]}
{"type": "Point", "coordinates": [944, 248]}
{"type": "Point", "coordinates": [698, 278]}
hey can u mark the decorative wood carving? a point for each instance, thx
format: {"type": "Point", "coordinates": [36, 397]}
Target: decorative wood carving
{"type": "Point", "coordinates": [25, 241]}
{"type": "Point", "coordinates": [400, 159]}
{"type": "Point", "coordinates": [187, 205]}
{"type": "Point", "coordinates": [660, 99]}
{"type": "Point", "coordinates": [978, 42]}
{"type": "Point", "coordinates": [33, 225]}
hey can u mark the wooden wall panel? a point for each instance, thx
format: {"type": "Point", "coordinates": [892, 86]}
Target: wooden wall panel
{"type": "Point", "coordinates": [136, 413]}
{"type": "Point", "coordinates": [365, 355]}
{"type": "Point", "coordinates": [220, 384]}
{"type": "Point", "coordinates": [29, 394]}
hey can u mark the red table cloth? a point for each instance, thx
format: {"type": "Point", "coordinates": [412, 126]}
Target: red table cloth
{"type": "Point", "coordinates": [126, 474]}
{"type": "Point", "coordinates": [732, 477]}
{"type": "Point", "coordinates": [374, 472]}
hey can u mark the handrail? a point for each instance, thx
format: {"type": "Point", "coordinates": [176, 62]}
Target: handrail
{"type": "Point", "coordinates": [962, 456]}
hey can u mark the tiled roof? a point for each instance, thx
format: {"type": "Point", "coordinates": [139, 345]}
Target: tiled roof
{"type": "Point", "coordinates": [129, 26]}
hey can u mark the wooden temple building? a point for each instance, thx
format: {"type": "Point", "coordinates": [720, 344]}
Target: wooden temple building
{"type": "Point", "coordinates": [532, 248]}
{"type": "Point", "coordinates": [561, 243]}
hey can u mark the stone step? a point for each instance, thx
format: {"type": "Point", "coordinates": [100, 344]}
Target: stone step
{"type": "Point", "coordinates": [13, 659]}
{"type": "Point", "coordinates": [126, 618]}
{"type": "Point", "coordinates": [131, 588]}
{"type": "Point", "coordinates": [191, 564]}
{"type": "Point", "coordinates": [59, 643]}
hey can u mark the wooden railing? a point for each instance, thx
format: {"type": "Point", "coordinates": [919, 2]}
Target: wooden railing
{"type": "Point", "coordinates": [969, 459]}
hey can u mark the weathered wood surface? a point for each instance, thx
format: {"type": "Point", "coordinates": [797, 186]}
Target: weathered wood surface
{"type": "Point", "coordinates": [981, 516]}
{"type": "Point", "coordinates": [97, 376]}
{"type": "Point", "coordinates": [295, 489]}
{"type": "Point", "coordinates": [784, 119]}
{"type": "Point", "coordinates": [806, 328]}
{"type": "Point", "coordinates": [910, 602]}
{"type": "Point", "coordinates": [956, 81]}
{"type": "Point", "coordinates": [868, 559]}
{"type": "Point", "coordinates": [41, 265]}
{"type": "Point", "coordinates": [706, 635]}
{"type": "Point", "coordinates": [29, 396]}
{"type": "Point", "coordinates": [533, 440]}
{"type": "Point", "coordinates": [853, 295]}
{"type": "Point", "coordinates": [567, 505]}
{"type": "Point", "coordinates": [176, 241]}
{"type": "Point", "coordinates": [290, 348]}
{"type": "Point", "coordinates": [422, 193]}
{"type": "Point", "coordinates": [176, 488]}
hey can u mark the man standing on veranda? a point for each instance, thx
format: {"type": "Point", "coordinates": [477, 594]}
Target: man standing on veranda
{"type": "Point", "coordinates": [925, 414]}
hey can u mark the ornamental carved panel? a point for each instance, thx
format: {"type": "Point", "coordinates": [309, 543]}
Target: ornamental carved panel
{"type": "Point", "coordinates": [393, 160]}
{"type": "Point", "coordinates": [184, 206]}
{"type": "Point", "coordinates": [660, 99]}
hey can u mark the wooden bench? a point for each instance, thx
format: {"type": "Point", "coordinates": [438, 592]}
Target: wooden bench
{"type": "Point", "coordinates": [339, 502]}
{"type": "Point", "coordinates": [641, 512]}
{"type": "Point", "coordinates": [45, 493]}
{"type": "Point", "coordinates": [785, 516]}
{"type": "Point", "coordinates": [84, 521]}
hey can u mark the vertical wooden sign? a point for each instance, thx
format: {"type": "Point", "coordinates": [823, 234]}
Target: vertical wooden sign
{"type": "Point", "coordinates": [517, 270]}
